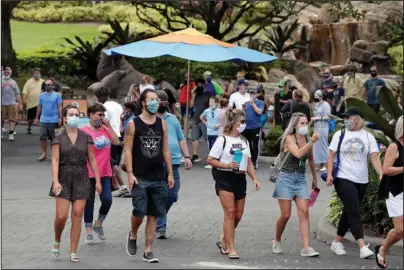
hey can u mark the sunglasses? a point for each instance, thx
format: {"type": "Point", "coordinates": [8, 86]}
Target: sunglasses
{"type": "Point", "coordinates": [373, 71]}
{"type": "Point", "coordinates": [253, 92]}
{"type": "Point", "coordinates": [100, 114]}
{"type": "Point", "coordinates": [48, 84]}
{"type": "Point", "coordinates": [326, 73]}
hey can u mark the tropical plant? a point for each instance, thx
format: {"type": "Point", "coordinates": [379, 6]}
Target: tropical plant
{"type": "Point", "coordinates": [251, 71]}
{"type": "Point", "coordinates": [88, 54]}
{"type": "Point", "coordinates": [122, 36]}
{"type": "Point", "coordinates": [278, 36]}
{"type": "Point", "coordinates": [395, 33]}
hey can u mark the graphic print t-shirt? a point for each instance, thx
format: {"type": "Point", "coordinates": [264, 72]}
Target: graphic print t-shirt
{"type": "Point", "coordinates": [355, 148]}
{"type": "Point", "coordinates": [147, 160]}
{"type": "Point", "coordinates": [232, 145]}
{"type": "Point", "coordinates": [102, 150]}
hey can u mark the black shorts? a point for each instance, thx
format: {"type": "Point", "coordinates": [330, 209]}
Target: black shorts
{"type": "Point", "coordinates": [149, 198]}
{"type": "Point", "coordinates": [31, 113]}
{"type": "Point", "coordinates": [116, 153]}
{"type": "Point", "coordinates": [235, 183]}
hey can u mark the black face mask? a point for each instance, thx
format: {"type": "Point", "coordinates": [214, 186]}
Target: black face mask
{"type": "Point", "coordinates": [373, 74]}
{"type": "Point", "coordinates": [199, 90]}
{"type": "Point", "coordinates": [162, 109]}
{"type": "Point", "coordinates": [316, 99]}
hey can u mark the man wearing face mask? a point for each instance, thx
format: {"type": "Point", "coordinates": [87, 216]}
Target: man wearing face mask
{"type": "Point", "coordinates": [30, 96]}
{"type": "Point", "coordinates": [50, 110]}
{"type": "Point", "coordinates": [239, 98]}
{"type": "Point", "coordinates": [326, 85]}
{"type": "Point", "coordinates": [200, 100]}
{"type": "Point", "coordinates": [253, 111]}
{"type": "Point", "coordinates": [177, 143]}
{"type": "Point", "coordinates": [211, 86]}
{"type": "Point", "coordinates": [149, 167]}
{"type": "Point", "coordinates": [10, 95]}
{"type": "Point", "coordinates": [371, 88]}
{"type": "Point", "coordinates": [283, 96]}
{"type": "Point", "coordinates": [353, 85]}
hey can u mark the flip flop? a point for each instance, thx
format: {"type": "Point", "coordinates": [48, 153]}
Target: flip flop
{"type": "Point", "coordinates": [380, 258]}
{"type": "Point", "coordinates": [234, 257]}
{"type": "Point", "coordinates": [42, 158]}
{"type": "Point", "coordinates": [221, 248]}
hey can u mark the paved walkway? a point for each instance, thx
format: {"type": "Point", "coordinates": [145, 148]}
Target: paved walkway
{"type": "Point", "coordinates": [194, 224]}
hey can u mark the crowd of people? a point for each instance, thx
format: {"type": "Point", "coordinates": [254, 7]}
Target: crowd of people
{"type": "Point", "coordinates": [145, 139]}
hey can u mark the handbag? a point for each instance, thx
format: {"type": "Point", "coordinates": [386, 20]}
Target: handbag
{"type": "Point", "coordinates": [337, 161]}
{"type": "Point", "coordinates": [277, 166]}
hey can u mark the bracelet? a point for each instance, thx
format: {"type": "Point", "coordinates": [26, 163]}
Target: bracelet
{"type": "Point", "coordinates": [187, 157]}
{"type": "Point", "coordinates": [128, 172]}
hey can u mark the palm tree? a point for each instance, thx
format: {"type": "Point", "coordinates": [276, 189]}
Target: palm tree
{"type": "Point", "coordinates": [122, 36]}
{"type": "Point", "coordinates": [278, 36]}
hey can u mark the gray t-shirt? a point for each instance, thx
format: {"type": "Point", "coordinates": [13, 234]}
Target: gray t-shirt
{"type": "Point", "coordinates": [9, 91]}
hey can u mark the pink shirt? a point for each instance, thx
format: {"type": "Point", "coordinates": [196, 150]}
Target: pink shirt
{"type": "Point", "coordinates": [102, 150]}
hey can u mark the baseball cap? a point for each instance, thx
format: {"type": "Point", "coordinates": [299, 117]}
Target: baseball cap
{"type": "Point", "coordinates": [162, 95]}
{"type": "Point", "coordinates": [242, 81]}
{"type": "Point", "coordinates": [352, 111]}
{"type": "Point", "coordinates": [282, 83]}
{"type": "Point", "coordinates": [207, 73]}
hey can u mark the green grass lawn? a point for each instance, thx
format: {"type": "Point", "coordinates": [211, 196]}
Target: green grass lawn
{"type": "Point", "coordinates": [29, 36]}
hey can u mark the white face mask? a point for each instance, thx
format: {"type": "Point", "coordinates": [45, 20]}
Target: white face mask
{"type": "Point", "coordinates": [241, 128]}
{"type": "Point", "coordinates": [303, 130]}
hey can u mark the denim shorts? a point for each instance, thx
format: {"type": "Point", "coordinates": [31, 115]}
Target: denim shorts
{"type": "Point", "coordinates": [291, 185]}
{"type": "Point", "coordinates": [149, 198]}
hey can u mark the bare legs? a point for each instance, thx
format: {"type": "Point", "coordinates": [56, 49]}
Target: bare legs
{"type": "Point", "coordinates": [62, 213]}
{"type": "Point", "coordinates": [43, 149]}
{"type": "Point", "coordinates": [303, 213]}
{"type": "Point", "coordinates": [76, 216]}
{"type": "Point", "coordinates": [233, 211]}
{"type": "Point", "coordinates": [195, 147]}
{"type": "Point", "coordinates": [394, 235]}
{"type": "Point", "coordinates": [151, 225]}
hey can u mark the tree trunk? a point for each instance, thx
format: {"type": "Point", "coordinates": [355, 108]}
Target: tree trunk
{"type": "Point", "coordinates": [8, 57]}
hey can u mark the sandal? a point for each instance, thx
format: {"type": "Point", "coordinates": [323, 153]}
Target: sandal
{"type": "Point", "coordinates": [74, 258]}
{"type": "Point", "coordinates": [234, 257]}
{"type": "Point", "coordinates": [42, 158]}
{"type": "Point", "coordinates": [380, 258]}
{"type": "Point", "coordinates": [223, 251]}
{"type": "Point", "coordinates": [55, 251]}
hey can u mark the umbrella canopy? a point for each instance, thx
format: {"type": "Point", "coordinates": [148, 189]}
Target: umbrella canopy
{"type": "Point", "coordinates": [191, 45]}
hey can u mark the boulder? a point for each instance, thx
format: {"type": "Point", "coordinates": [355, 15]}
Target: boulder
{"type": "Point", "coordinates": [318, 66]}
{"type": "Point", "coordinates": [339, 69]}
{"type": "Point", "coordinates": [275, 75]}
{"type": "Point", "coordinates": [361, 56]}
{"type": "Point", "coordinates": [112, 81]}
{"type": "Point", "coordinates": [379, 47]}
{"type": "Point", "coordinates": [110, 64]}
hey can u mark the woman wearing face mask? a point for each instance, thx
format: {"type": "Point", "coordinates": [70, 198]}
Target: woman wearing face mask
{"type": "Point", "coordinates": [103, 136]}
{"type": "Point", "coordinates": [71, 150]}
{"type": "Point", "coordinates": [230, 155]}
{"type": "Point", "coordinates": [351, 181]}
{"type": "Point", "coordinates": [322, 110]}
{"type": "Point", "coordinates": [291, 183]}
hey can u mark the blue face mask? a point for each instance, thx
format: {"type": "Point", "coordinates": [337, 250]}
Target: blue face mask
{"type": "Point", "coordinates": [72, 121]}
{"type": "Point", "coordinates": [153, 106]}
{"type": "Point", "coordinates": [209, 80]}
{"type": "Point", "coordinates": [326, 75]}
{"type": "Point", "coordinates": [97, 123]}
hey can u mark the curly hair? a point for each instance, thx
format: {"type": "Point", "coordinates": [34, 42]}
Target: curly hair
{"type": "Point", "coordinates": [233, 116]}
{"type": "Point", "coordinates": [102, 92]}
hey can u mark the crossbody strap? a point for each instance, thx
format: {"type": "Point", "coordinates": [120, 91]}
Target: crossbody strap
{"type": "Point", "coordinates": [341, 138]}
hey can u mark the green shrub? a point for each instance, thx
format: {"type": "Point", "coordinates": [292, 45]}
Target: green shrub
{"type": "Point", "coordinates": [373, 211]}
{"type": "Point", "coordinates": [272, 143]}
{"type": "Point", "coordinates": [396, 59]}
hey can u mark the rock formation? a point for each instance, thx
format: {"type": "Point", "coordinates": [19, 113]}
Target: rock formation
{"type": "Point", "coordinates": [116, 73]}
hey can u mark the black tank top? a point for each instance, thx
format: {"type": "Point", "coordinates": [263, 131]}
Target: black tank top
{"type": "Point", "coordinates": [147, 154]}
{"type": "Point", "coordinates": [395, 183]}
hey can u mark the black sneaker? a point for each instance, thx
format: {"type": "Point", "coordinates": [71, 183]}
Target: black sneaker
{"type": "Point", "coordinates": [131, 247]}
{"type": "Point", "coordinates": [195, 159]}
{"type": "Point", "coordinates": [29, 131]}
{"type": "Point", "coordinates": [149, 257]}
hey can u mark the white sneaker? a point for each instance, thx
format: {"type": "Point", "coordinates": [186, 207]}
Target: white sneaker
{"type": "Point", "coordinates": [208, 167]}
{"type": "Point", "coordinates": [15, 133]}
{"type": "Point", "coordinates": [365, 252]}
{"type": "Point", "coordinates": [309, 252]}
{"type": "Point", "coordinates": [3, 130]}
{"type": "Point", "coordinates": [323, 169]}
{"type": "Point", "coordinates": [182, 160]}
{"type": "Point", "coordinates": [276, 247]}
{"type": "Point", "coordinates": [11, 137]}
{"type": "Point", "coordinates": [338, 248]}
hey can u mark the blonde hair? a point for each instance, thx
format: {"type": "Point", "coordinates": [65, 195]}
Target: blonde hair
{"type": "Point", "coordinates": [291, 129]}
{"type": "Point", "coordinates": [232, 116]}
{"type": "Point", "coordinates": [399, 128]}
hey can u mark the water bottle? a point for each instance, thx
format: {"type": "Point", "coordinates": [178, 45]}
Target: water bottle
{"type": "Point", "coordinates": [237, 158]}
{"type": "Point", "coordinates": [313, 196]}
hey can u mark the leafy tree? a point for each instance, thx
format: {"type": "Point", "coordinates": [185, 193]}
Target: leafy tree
{"type": "Point", "coordinates": [122, 36]}
{"type": "Point", "coordinates": [278, 36]}
{"type": "Point", "coordinates": [88, 54]}
{"type": "Point", "coordinates": [8, 56]}
{"type": "Point", "coordinates": [220, 17]}
{"type": "Point", "coordinates": [395, 33]}
{"type": "Point", "coordinates": [252, 71]}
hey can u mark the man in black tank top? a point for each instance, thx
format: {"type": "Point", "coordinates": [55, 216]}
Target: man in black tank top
{"type": "Point", "coordinates": [146, 152]}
